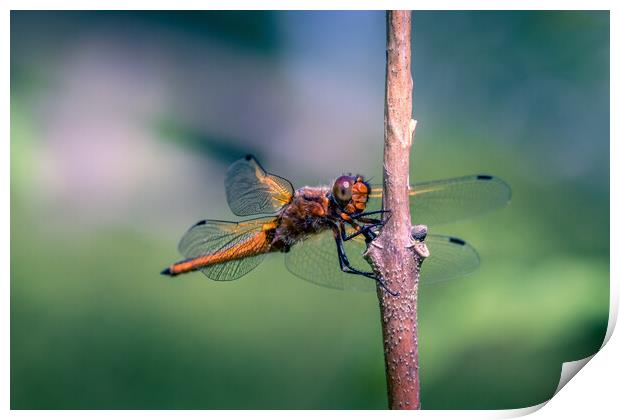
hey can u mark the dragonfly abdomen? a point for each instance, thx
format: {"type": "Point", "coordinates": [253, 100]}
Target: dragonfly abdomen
{"type": "Point", "coordinates": [259, 243]}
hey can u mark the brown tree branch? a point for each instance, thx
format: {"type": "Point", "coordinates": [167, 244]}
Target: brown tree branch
{"type": "Point", "coordinates": [396, 254]}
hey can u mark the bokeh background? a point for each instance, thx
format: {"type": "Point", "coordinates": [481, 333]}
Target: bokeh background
{"type": "Point", "coordinates": [123, 125]}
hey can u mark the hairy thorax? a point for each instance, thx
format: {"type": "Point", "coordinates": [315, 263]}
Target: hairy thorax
{"type": "Point", "coordinates": [305, 215]}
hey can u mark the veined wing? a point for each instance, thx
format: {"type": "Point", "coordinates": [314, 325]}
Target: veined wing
{"type": "Point", "coordinates": [251, 190]}
{"type": "Point", "coordinates": [449, 258]}
{"type": "Point", "coordinates": [229, 241]}
{"type": "Point", "coordinates": [450, 200]}
{"type": "Point", "coordinates": [316, 260]}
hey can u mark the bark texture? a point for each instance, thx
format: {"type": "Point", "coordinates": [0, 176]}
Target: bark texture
{"type": "Point", "coordinates": [395, 255]}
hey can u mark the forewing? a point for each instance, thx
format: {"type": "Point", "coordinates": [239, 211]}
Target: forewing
{"type": "Point", "coordinates": [316, 260]}
{"type": "Point", "coordinates": [449, 258]}
{"type": "Point", "coordinates": [251, 190]}
{"type": "Point", "coordinates": [214, 236]}
{"type": "Point", "coordinates": [450, 200]}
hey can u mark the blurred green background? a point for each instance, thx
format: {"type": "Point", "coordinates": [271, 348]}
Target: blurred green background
{"type": "Point", "coordinates": [123, 125]}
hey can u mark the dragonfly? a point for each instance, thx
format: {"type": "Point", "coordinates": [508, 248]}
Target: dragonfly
{"type": "Point", "coordinates": [325, 230]}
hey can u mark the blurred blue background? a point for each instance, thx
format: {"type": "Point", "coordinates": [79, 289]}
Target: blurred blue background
{"type": "Point", "coordinates": [123, 125]}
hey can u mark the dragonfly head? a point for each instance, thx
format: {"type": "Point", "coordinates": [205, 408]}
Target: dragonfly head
{"type": "Point", "coordinates": [351, 193]}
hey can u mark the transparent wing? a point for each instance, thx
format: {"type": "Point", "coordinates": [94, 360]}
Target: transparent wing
{"type": "Point", "coordinates": [316, 260]}
{"type": "Point", "coordinates": [251, 190]}
{"type": "Point", "coordinates": [449, 258]}
{"type": "Point", "coordinates": [450, 200]}
{"type": "Point", "coordinates": [209, 237]}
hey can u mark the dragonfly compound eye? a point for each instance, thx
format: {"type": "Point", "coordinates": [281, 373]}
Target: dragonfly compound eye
{"type": "Point", "coordinates": [342, 190]}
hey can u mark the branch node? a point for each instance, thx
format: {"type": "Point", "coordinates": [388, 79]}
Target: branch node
{"type": "Point", "coordinates": [418, 232]}
{"type": "Point", "coordinates": [421, 249]}
{"type": "Point", "coordinates": [412, 126]}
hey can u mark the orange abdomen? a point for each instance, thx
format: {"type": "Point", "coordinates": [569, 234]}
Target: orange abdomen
{"type": "Point", "coordinates": [255, 245]}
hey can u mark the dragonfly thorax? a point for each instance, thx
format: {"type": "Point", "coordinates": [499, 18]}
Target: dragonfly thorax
{"type": "Point", "coordinates": [308, 213]}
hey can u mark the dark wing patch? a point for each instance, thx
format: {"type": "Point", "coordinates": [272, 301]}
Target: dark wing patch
{"type": "Point", "coordinates": [457, 241]}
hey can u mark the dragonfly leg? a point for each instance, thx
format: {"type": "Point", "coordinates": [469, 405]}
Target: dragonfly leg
{"type": "Point", "coordinates": [367, 230]}
{"type": "Point", "coordinates": [376, 222]}
{"type": "Point", "coordinates": [369, 220]}
{"type": "Point", "coordinates": [369, 213]}
{"type": "Point", "coordinates": [346, 267]}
